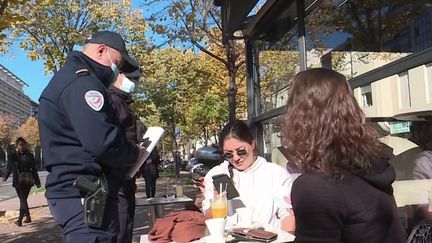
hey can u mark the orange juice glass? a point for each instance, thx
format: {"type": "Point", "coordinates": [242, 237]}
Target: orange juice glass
{"type": "Point", "coordinates": [219, 207]}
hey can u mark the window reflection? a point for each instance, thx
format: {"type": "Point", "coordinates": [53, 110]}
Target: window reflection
{"type": "Point", "coordinates": [271, 137]}
{"type": "Point", "coordinates": [359, 36]}
{"type": "Point", "coordinates": [278, 63]}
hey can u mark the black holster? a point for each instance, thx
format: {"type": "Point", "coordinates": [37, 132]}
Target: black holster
{"type": "Point", "coordinates": [95, 199]}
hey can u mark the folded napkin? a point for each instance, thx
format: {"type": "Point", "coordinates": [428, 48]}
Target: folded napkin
{"type": "Point", "coordinates": [180, 226]}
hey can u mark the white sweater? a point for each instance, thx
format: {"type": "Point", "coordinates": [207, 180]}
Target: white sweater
{"type": "Point", "coordinates": [262, 187]}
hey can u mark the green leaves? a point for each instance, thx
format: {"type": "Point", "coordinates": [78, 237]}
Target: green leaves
{"type": "Point", "coordinates": [183, 89]}
{"type": "Point", "coordinates": [183, 22]}
{"type": "Point", "coordinates": [50, 29]}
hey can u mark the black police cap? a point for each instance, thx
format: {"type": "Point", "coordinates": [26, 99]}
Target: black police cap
{"type": "Point", "coordinates": [115, 41]}
{"type": "Point", "coordinates": [135, 75]}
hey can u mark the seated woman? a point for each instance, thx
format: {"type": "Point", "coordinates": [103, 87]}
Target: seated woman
{"type": "Point", "coordinates": [344, 193]}
{"type": "Point", "coordinates": [263, 186]}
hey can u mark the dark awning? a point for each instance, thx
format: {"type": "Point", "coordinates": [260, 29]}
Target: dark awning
{"type": "Point", "coordinates": [273, 19]}
{"type": "Point", "coordinates": [234, 13]}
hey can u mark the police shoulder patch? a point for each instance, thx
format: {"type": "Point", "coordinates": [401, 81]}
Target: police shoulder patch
{"type": "Point", "coordinates": [94, 99]}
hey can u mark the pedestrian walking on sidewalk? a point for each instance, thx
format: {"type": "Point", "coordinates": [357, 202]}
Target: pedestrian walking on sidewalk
{"type": "Point", "coordinates": [150, 172]}
{"type": "Point", "coordinates": [23, 166]}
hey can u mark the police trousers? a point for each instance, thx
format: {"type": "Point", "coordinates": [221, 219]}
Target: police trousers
{"type": "Point", "coordinates": [126, 209]}
{"type": "Point", "coordinates": [69, 215]}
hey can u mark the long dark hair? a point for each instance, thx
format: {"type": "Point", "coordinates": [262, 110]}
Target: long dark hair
{"type": "Point", "coordinates": [24, 143]}
{"type": "Point", "coordinates": [238, 130]}
{"type": "Point", "coordinates": [324, 127]}
{"type": "Point", "coordinates": [20, 140]}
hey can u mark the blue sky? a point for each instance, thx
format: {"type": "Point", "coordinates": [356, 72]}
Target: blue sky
{"type": "Point", "coordinates": [30, 72]}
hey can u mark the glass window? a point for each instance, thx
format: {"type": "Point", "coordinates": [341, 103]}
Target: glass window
{"type": "Point", "coordinates": [366, 93]}
{"type": "Point", "coordinates": [271, 137]}
{"type": "Point", "coordinates": [278, 63]}
{"type": "Point", "coordinates": [360, 36]}
{"type": "Point", "coordinates": [422, 32]}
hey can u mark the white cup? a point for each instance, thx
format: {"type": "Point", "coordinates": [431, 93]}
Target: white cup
{"type": "Point", "coordinates": [244, 216]}
{"type": "Point", "coordinates": [216, 227]}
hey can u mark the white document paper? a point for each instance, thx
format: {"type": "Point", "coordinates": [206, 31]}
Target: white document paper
{"type": "Point", "coordinates": [153, 134]}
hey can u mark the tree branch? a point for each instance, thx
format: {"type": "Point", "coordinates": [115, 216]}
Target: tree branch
{"type": "Point", "coordinates": [3, 6]}
{"type": "Point", "coordinates": [202, 48]}
{"type": "Point", "coordinates": [240, 64]}
{"type": "Point", "coordinates": [41, 41]}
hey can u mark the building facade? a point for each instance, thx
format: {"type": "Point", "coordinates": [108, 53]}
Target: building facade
{"type": "Point", "coordinates": [13, 101]}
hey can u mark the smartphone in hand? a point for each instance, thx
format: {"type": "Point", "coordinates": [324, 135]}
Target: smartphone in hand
{"type": "Point", "coordinates": [227, 185]}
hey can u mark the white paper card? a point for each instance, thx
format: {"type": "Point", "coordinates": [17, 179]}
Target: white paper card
{"type": "Point", "coordinates": [153, 134]}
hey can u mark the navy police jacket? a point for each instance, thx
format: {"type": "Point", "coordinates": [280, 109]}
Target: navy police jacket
{"type": "Point", "coordinates": [79, 132]}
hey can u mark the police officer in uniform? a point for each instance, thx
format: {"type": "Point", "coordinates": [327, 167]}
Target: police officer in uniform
{"type": "Point", "coordinates": [81, 137]}
{"type": "Point", "coordinates": [120, 100]}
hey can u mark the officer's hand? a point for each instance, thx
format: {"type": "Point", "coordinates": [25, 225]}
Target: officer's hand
{"type": "Point", "coordinates": [141, 147]}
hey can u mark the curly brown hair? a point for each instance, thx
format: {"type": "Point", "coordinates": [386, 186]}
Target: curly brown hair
{"type": "Point", "coordinates": [324, 127]}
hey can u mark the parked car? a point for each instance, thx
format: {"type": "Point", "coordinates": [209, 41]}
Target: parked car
{"type": "Point", "coordinates": [207, 158]}
{"type": "Point", "coordinates": [191, 163]}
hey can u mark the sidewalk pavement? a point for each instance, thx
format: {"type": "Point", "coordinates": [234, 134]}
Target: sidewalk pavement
{"type": "Point", "coordinates": [44, 229]}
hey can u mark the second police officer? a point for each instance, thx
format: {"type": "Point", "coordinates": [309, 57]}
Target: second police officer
{"type": "Point", "coordinates": [81, 138]}
{"type": "Point", "coordinates": [121, 100]}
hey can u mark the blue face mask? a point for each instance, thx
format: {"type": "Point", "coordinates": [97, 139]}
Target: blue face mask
{"type": "Point", "coordinates": [127, 85]}
{"type": "Point", "coordinates": [114, 68]}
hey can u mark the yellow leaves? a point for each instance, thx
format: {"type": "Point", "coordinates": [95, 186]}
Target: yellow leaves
{"type": "Point", "coordinates": [160, 29]}
{"type": "Point", "coordinates": [30, 131]}
{"type": "Point", "coordinates": [182, 78]}
{"type": "Point", "coordinates": [7, 127]}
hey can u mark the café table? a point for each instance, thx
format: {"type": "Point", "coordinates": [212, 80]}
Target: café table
{"type": "Point", "coordinates": [282, 237]}
{"type": "Point", "coordinates": [156, 205]}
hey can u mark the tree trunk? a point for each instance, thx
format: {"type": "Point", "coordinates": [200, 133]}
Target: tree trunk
{"type": "Point", "coordinates": [232, 103]}
{"type": "Point", "coordinates": [175, 148]}
{"type": "Point", "coordinates": [206, 136]}
{"type": "Point", "coordinates": [232, 72]}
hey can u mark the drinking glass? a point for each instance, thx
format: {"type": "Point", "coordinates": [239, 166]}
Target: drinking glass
{"type": "Point", "coordinates": [219, 206]}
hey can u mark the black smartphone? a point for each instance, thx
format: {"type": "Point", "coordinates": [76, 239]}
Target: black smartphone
{"type": "Point", "coordinates": [227, 185]}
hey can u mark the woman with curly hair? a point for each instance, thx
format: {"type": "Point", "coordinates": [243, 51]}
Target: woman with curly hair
{"type": "Point", "coordinates": [345, 192]}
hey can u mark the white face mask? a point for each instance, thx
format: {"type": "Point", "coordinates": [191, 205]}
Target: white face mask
{"type": "Point", "coordinates": [114, 68]}
{"type": "Point", "coordinates": [127, 85]}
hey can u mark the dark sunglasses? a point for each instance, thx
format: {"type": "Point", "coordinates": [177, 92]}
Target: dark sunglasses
{"type": "Point", "coordinates": [242, 153]}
